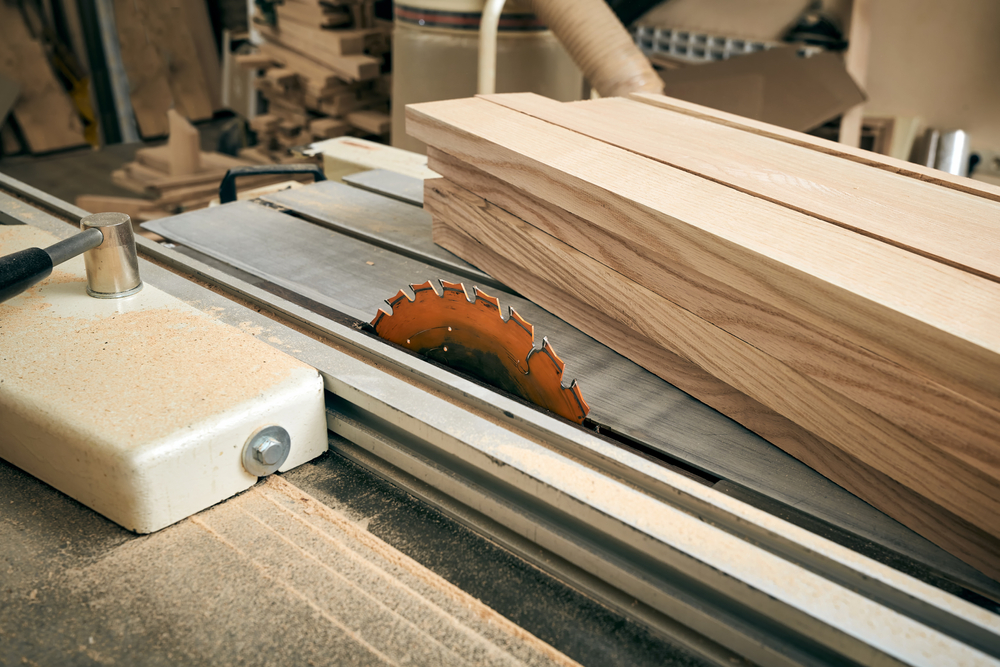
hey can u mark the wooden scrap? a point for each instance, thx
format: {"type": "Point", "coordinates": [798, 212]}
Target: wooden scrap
{"type": "Point", "coordinates": [184, 146]}
{"type": "Point", "coordinates": [44, 112]}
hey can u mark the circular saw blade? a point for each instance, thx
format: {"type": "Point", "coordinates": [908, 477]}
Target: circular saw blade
{"type": "Point", "coordinates": [472, 336]}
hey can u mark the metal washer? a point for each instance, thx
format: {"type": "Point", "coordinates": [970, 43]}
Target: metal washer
{"type": "Point", "coordinates": [250, 462]}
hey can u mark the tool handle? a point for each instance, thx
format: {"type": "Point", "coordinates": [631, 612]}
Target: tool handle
{"type": "Point", "coordinates": [21, 270]}
{"type": "Point", "coordinates": [24, 268]}
{"type": "Point", "coordinates": [227, 189]}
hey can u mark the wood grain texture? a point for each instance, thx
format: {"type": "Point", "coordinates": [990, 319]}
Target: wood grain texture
{"type": "Point", "coordinates": [942, 322]}
{"type": "Point", "coordinates": [446, 201]}
{"type": "Point", "coordinates": [184, 146]}
{"type": "Point", "coordinates": [927, 410]}
{"type": "Point", "coordinates": [824, 413]}
{"type": "Point", "coordinates": [884, 162]}
{"type": "Point", "coordinates": [43, 109]}
{"type": "Point", "coordinates": [944, 225]}
{"type": "Point", "coordinates": [149, 88]}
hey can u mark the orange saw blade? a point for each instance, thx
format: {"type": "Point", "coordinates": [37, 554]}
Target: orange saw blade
{"type": "Point", "coordinates": [473, 337]}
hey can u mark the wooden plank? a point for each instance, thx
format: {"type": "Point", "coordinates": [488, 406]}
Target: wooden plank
{"type": "Point", "coordinates": [947, 226]}
{"type": "Point", "coordinates": [355, 67]}
{"type": "Point", "coordinates": [43, 109]}
{"type": "Point", "coordinates": [147, 73]}
{"type": "Point", "coordinates": [943, 528]}
{"type": "Point", "coordinates": [184, 146]}
{"type": "Point", "coordinates": [166, 27]}
{"type": "Point", "coordinates": [826, 414]}
{"type": "Point", "coordinates": [932, 413]}
{"type": "Point", "coordinates": [253, 60]}
{"type": "Point", "coordinates": [942, 322]}
{"type": "Point", "coordinates": [316, 75]}
{"type": "Point", "coordinates": [909, 169]}
{"type": "Point", "coordinates": [155, 157]}
{"type": "Point", "coordinates": [374, 122]}
{"type": "Point", "coordinates": [199, 24]}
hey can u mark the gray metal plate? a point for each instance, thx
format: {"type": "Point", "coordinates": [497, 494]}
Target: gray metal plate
{"type": "Point", "coordinates": [375, 219]}
{"type": "Point", "coordinates": [384, 182]}
{"type": "Point", "coordinates": [354, 277]}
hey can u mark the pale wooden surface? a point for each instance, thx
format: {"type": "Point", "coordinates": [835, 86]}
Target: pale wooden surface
{"type": "Point", "coordinates": [885, 162]}
{"type": "Point", "coordinates": [804, 317]}
{"type": "Point", "coordinates": [183, 146]}
{"type": "Point", "coordinates": [942, 322]}
{"type": "Point", "coordinates": [942, 418]}
{"type": "Point", "coordinates": [847, 426]}
{"type": "Point", "coordinates": [515, 262]}
{"type": "Point", "coordinates": [942, 224]}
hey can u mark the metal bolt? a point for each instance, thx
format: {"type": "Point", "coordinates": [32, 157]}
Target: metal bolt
{"type": "Point", "coordinates": [268, 451]}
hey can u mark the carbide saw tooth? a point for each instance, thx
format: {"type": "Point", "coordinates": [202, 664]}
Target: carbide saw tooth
{"type": "Point", "coordinates": [423, 288]}
{"type": "Point", "coordinates": [551, 354]}
{"type": "Point", "coordinates": [495, 302]}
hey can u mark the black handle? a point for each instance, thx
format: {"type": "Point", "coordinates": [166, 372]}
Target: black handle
{"type": "Point", "coordinates": [227, 189]}
{"type": "Point", "coordinates": [21, 270]}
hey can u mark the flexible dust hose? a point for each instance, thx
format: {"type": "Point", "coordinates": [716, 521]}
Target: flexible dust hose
{"type": "Point", "coordinates": [600, 46]}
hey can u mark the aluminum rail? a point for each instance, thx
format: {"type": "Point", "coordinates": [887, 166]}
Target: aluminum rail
{"type": "Point", "coordinates": [618, 525]}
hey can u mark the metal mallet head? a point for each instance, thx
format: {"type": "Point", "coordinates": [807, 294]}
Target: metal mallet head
{"type": "Point", "coordinates": [112, 266]}
{"type": "Point", "coordinates": [108, 245]}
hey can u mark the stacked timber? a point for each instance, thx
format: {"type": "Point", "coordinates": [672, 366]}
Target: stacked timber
{"type": "Point", "coordinates": [322, 73]}
{"type": "Point", "coordinates": [172, 178]}
{"type": "Point", "coordinates": [843, 305]}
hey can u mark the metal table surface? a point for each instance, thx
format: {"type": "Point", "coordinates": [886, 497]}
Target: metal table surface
{"type": "Point", "coordinates": [349, 249]}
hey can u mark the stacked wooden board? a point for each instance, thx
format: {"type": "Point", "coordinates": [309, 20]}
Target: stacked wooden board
{"type": "Point", "coordinates": [322, 73]}
{"type": "Point", "coordinates": [836, 303]}
{"type": "Point", "coordinates": [172, 178]}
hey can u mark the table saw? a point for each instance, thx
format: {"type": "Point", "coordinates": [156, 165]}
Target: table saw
{"type": "Point", "coordinates": [652, 530]}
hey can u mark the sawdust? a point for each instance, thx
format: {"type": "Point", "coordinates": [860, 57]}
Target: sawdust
{"type": "Point", "coordinates": [288, 580]}
{"type": "Point", "coordinates": [134, 375]}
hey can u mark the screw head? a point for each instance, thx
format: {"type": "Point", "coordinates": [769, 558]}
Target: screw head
{"type": "Point", "coordinates": [266, 450]}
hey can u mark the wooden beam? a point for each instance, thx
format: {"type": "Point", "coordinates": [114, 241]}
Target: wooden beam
{"type": "Point", "coordinates": [937, 320]}
{"type": "Point", "coordinates": [972, 545]}
{"type": "Point", "coordinates": [949, 421]}
{"type": "Point", "coordinates": [944, 225]}
{"type": "Point", "coordinates": [890, 164]}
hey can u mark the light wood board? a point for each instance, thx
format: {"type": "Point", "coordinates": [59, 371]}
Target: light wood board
{"type": "Point", "coordinates": [948, 226]}
{"type": "Point", "coordinates": [884, 162]}
{"type": "Point", "coordinates": [942, 322]}
{"type": "Point", "coordinates": [940, 526]}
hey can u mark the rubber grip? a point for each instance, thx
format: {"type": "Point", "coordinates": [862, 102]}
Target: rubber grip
{"type": "Point", "coordinates": [21, 270]}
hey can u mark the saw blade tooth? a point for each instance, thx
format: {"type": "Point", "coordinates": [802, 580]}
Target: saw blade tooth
{"type": "Point", "coordinates": [448, 288]}
{"type": "Point", "coordinates": [422, 289]}
{"type": "Point", "coordinates": [512, 316]}
{"type": "Point", "coordinates": [574, 388]}
{"type": "Point", "coordinates": [378, 317]}
{"type": "Point", "coordinates": [400, 296]}
{"type": "Point", "coordinates": [551, 354]}
{"type": "Point", "coordinates": [492, 300]}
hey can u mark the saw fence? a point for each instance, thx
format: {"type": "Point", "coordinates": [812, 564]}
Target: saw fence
{"type": "Point", "coordinates": [845, 308]}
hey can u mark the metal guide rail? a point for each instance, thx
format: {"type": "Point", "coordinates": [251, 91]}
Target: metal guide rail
{"type": "Point", "coordinates": [725, 579]}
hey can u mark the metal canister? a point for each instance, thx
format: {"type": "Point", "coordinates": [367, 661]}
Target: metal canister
{"type": "Point", "coordinates": [435, 51]}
